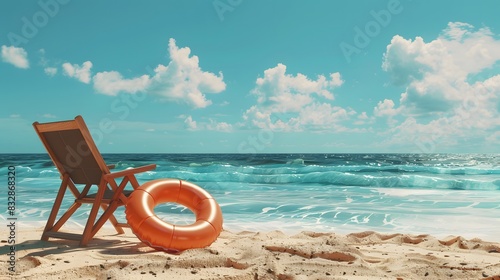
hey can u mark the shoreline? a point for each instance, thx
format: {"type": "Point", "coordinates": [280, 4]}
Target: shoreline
{"type": "Point", "coordinates": [258, 255]}
{"type": "Point", "coordinates": [288, 230]}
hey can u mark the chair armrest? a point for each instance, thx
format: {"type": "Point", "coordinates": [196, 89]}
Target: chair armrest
{"type": "Point", "coordinates": [131, 171]}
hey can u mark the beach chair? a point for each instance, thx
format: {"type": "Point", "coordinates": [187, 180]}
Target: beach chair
{"type": "Point", "coordinates": [74, 153]}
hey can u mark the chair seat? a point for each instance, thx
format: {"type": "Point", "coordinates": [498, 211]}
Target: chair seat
{"type": "Point", "coordinates": [108, 194]}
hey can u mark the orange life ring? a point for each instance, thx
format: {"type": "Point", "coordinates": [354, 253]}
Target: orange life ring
{"type": "Point", "coordinates": [168, 237]}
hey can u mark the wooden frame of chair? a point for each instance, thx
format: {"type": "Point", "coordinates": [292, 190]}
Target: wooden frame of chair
{"type": "Point", "coordinates": [74, 153]}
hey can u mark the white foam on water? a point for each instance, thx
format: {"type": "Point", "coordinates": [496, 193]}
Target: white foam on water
{"type": "Point", "coordinates": [267, 209]}
{"type": "Point", "coordinates": [41, 199]}
{"type": "Point", "coordinates": [408, 192]}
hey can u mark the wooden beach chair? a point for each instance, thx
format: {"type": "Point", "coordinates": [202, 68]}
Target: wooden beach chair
{"type": "Point", "coordinates": [74, 153]}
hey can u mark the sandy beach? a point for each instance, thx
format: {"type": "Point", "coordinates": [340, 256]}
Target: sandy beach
{"type": "Point", "coordinates": [258, 255]}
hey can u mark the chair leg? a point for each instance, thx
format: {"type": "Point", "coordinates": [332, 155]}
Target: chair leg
{"type": "Point", "coordinates": [55, 208]}
{"type": "Point", "coordinates": [66, 216]}
{"type": "Point", "coordinates": [113, 220]}
{"type": "Point", "coordinates": [104, 217]}
{"type": "Point", "coordinates": [87, 232]}
{"type": "Point", "coordinates": [93, 223]}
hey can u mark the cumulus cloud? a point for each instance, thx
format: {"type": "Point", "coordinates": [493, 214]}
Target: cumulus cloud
{"type": "Point", "coordinates": [446, 94]}
{"type": "Point", "coordinates": [81, 73]}
{"type": "Point", "coordinates": [322, 115]}
{"type": "Point", "coordinates": [15, 56]}
{"type": "Point", "coordinates": [363, 119]}
{"type": "Point", "coordinates": [190, 123]}
{"type": "Point", "coordinates": [385, 108]}
{"type": "Point", "coordinates": [50, 71]}
{"type": "Point", "coordinates": [293, 102]}
{"type": "Point", "coordinates": [219, 126]}
{"type": "Point", "coordinates": [183, 80]}
{"type": "Point", "coordinates": [111, 83]}
{"type": "Point", "coordinates": [458, 52]}
{"type": "Point", "coordinates": [363, 116]}
{"type": "Point", "coordinates": [212, 124]}
{"type": "Point", "coordinates": [291, 92]}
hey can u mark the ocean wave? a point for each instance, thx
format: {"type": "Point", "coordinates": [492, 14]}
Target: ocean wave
{"type": "Point", "coordinates": [335, 178]}
{"type": "Point", "coordinates": [455, 172]}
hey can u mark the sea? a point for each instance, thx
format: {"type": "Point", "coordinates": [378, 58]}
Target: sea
{"type": "Point", "coordinates": [438, 194]}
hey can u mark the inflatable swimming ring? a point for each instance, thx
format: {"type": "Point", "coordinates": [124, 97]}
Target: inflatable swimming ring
{"type": "Point", "coordinates": [168, 237]}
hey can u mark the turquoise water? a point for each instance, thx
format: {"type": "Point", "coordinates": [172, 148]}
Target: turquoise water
{"type": "Point", "coordinates": [439, 194]}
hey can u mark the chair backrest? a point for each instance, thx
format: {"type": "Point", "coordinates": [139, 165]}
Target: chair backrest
{"type": "Point", "coordinates": [72, 149]}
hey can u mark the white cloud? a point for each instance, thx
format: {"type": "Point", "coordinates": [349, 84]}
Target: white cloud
{"type": "Point", "coordinates": [400, 59]}
{"type": "Point", "coordinates": [291, 92]}
{"type": "Point", "coordinates": [320, 116]}
{"type": "Point", "coordinates": [43, 61]}
{"type": "Point", "coordinates": [363, 119]}
{"type": "Point", "coordinates": [191, 124]}
{"type": "Point", "coordinates": [363, 116]}
{"type": "Point", "coordinates": [446, 93]}
{"type": "Point", "coordinates": [183, 81]}
{"type": "Point", "coordinates": [48, 116]}
{"type": "Point", "coordinates": [457, 30]}
{"type": "Point", "coordinates": [385, 108]}
{"type": "Point", "coordinates": [81, 73]}
{"type": "Point", "coordinates": [46, 64]}
{"type": "Point", "coordinates": [111, 83]}
{"type": "Point", "coordinates": [293, 103]}
{"type": "Point", "coordinates": [15, 56]}
{"type": "Point", "coordinates": [219, 126]}
{"type": "Point", "coordinates": [50, 71]}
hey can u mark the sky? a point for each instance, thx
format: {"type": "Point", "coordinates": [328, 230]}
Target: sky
{"type": "Point", "coordinates": [260, 76]}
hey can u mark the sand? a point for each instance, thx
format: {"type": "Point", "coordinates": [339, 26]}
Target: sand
{"type": "Point", "coordinates": [257, 255]}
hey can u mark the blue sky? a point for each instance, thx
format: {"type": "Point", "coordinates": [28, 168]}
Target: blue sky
{"type": "Point", "coordinates": [239, 76]}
